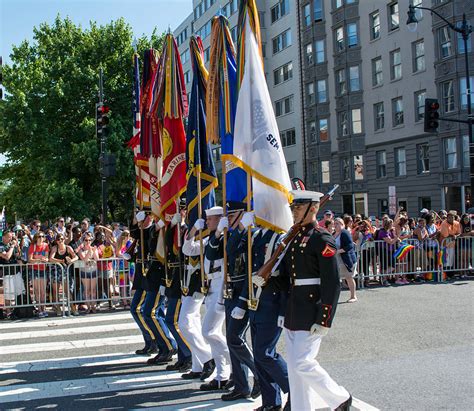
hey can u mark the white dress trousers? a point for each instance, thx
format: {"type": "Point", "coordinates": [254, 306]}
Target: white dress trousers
{"type": "Point", "coordinates": [306, 376]}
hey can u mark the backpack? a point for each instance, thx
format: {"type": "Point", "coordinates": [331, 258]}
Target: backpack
{"type": "Point", "coordinates": [22, 312]}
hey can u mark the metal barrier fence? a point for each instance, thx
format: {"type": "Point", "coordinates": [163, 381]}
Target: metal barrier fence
{"type": "Point", "coordinates": [429, 259]}
{"type": "Point", "coordinates": [66, 287]}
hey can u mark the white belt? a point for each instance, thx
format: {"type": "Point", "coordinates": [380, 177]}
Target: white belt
{"type": "Point", "coordinates": [193, 267]}
{"type": "Point", "coordinates": [307, 281]}
{"type": "Point", "coordinates": [213, 276]}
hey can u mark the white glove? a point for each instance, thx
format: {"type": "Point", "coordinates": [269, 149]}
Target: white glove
{"type": "Point", "coordinates": [220, 308]}
{"type": "Point", "coordinates": [140, 216]}
{"type": "Point", "coordinates": [197, 296]}
{"type": "Point", "coordinates": [319, 330]}
{"type": "Point", "coordinates": [281, 321]}
{"type": "Point", "coordinates": [126, 256]}
{"type": "Point", "coordinates": [258, 281]}
{"type": "Point", "coordinates": [237, 313]}
{"type": "Point", "coordinates": [248, 219]}
{"type": "Point", "coordinates": [176, 219]}
{"type": "Point", "coordinates": [199, 224]}
{"type": "Point", "coordinates": [162, 290]}
{"type": "Point", "coordinates": [223, 224]}
{"type": "Point", "coordinates": [160, 224]}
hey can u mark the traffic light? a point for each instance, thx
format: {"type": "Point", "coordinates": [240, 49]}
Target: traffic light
{"type": "Point", "coordinates": [102, 119]}
{"type": "Point", "coordinates": [431, 115]}
{"type": "Point", "coordinates": [108, 165]}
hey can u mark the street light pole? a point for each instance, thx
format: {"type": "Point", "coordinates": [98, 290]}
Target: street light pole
{"type": "Point", "coordinates": [465, 30]}
{"type": "Point", "coordinates": [102, 155]}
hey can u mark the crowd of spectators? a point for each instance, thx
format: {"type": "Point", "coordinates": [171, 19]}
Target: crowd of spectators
{"type": "Point", "coordinates": [87, 251]}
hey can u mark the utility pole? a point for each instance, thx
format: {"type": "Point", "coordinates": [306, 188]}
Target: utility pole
{"type": "Point", "coordinates": [102, 151]}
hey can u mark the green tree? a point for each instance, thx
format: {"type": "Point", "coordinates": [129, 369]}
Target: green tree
{"type": "Point", "coordinates": [47, 131]}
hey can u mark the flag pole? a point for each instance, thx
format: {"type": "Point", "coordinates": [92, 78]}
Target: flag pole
{"type": "Point", "coordinates": [204, 288]}
{"type": "Point", "coordinates": [227, 290]}
{"type": "Point", "coordinates": [142, 237]}
{"type": "Point", "coordinates": [251, 302]}
{"type": "Point", "coordinates": [179, 246]}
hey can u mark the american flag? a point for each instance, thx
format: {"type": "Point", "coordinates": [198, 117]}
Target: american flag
{"type": "Point", "coordinates": [136, 97]}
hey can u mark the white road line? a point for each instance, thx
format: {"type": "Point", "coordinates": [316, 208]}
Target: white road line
{"type": "Point", "coordinates": [69, 345]}
{"type": "Point", "coordinates": [57, 389]}
{"type": "Point", "coordinates": [72, 362]}
{"type": "Point", "coordinates": [45, 323]}
{"type": "Point", "coordinates": [56, 332]}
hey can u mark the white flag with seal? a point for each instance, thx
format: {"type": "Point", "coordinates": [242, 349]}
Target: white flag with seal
{"type": "Point", "coordinates": [257, 145]}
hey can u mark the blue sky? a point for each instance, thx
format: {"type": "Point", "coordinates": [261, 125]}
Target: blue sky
{"type": "Point", "coordinates": [18, 17]}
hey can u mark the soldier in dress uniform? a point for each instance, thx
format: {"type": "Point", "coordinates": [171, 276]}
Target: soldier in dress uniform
{"type": "Point", "coordinates": [266, 321]}
{"type": "Point", "coordinates": [237, 320]}
{"type": "Point", "coordinates": [174, 260]}
{"type": "Point", "coordinates": [215, 315]}
{"type": "Point", "coordinates": [309, 273]}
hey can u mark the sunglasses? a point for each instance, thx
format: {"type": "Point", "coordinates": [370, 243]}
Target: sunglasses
{"type": "Point", "coordinates": [38, 225]}
{"type": "Point", "coordinates": [88, 240]}
{"type": "Point", "coordinates": [41, 236]}
{"type": "Point", "coordinates": [60, 239]}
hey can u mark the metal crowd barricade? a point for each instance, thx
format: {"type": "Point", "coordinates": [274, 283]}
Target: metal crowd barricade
{"type": "Point", "coordinates": [39, 285]}
{"type": "Point", "coordinates": [457, 256]}
{"type": "Point", "coordinates": [93, 283]}
{"type": "Point", "coordinates": [379, 260]}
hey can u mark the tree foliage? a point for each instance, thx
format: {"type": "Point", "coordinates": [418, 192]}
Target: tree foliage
{"type": "Point", "coordinates": [47, 131]}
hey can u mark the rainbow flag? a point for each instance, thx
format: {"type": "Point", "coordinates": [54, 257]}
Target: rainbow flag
{"type": "Point", "coordinates": [442, 256]}
{"type": "Point", "coordinates": [403, 251]}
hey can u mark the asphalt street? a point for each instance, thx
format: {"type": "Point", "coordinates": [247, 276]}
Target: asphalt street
{"type": "Point", "coordinates": [397, 348]}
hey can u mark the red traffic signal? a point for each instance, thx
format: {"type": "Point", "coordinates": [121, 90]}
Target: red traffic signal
{"type": "Point", "coordinates": [102, 119]}
{"type": "Point", "coordinates": [431, 122]}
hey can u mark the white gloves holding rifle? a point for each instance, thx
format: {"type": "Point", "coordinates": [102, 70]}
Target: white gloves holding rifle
{"type": "Point", "coordinates": [223, 224]}
{"type": "Point", "coordinates": [319, 330]}
{"type": "Point", "coordinates": [248, 219]}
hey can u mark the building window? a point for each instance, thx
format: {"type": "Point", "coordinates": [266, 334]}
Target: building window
{"type": "Point", "coordinates": [184, 56]}
{"type": "Point", "coordinates": [318, 10]}
{"type": "Point", "coordinates": [320, 51]}
{"type": "Point", "coordinates": [307, 15]}
{"type": "Point", "coordinates": [450, 153]}
{"type": "Point", "coordinates": [423, 156]}
{"type": "Point", "coordinates": [379, 116]}
{"type": "Point", "coordinates": [381, 164]}
{"type": "Point", "coordinates": [352, 35]}
{"type": "Point", "coordinates": [354, 82]}
{"type": "Point", "coordinates": [312, 131]}
{"type": "Point", "coordinates": [284, 106]}
{"type": "Point", "coordinates": [341, 82]}
{"type": "Point", "coordinates": [340, 39]}
{"type": "Point", "coordinates": [356, 116]}
{"type": "Point", "coordinates": [393, 16]}
{"type": "Point", "coordinates": [322, 94]}
{"type": "Point", "coordinates": [282, 41]}
{"type": "Point", "coordinates": [343, 123]}
{"type": "Point", "coordinates": [309, 54]}
{"type": "Point", "coordinates": [465, 151]}
{"type": "Point", "coordinates": [447, 96]}
{"type": "Point", "coordinates": [377, 73]}
{"type": "Point", "coordinates": [325, 172]}
{"type": "Point", "coordinates": [291, 168]}
{"type": "Point", "coordinates": [396, 64]}
{"type": "Point", "coordinates": [397, 110]}
{"type": "Point", "coordinates": [445, 46]}
{"type": "Point", "coordinates": [338, 4]}
{"type": "Point", "coordinates": [400, 162]}
{"type": "Point", "coordinates": [345, 169]}
{"type": "Point", "coordinates": [283, 73]}
{"type": "Point", "coordinates": [288, 137]}
{"type": "Point", "coordinates": [420, 105]}
{"type": "Point", "coordinates": [261, 16]}
{"type": "Point", "coordinates": [418, 50]}
{"type": "Point", "coordinates": [463, 92]}
{"type": "Point", "coordinates": [374, 25]}
{"type": "Point", "coordinates": [282, 8]}
{"type": "Point", "coordinates": [358, 168]}
{"type": "Point", "coordinates": [461, 41]}
{"type": "Point", "coordinates": [314, 173]}
{"type": "Point", "coordinates": [323, 129]}
{"type": "Point", "coordinates": [310, 93]}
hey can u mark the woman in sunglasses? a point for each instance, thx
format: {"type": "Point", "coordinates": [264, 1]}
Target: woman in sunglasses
{"type": "Point", "coordinates": [38, 254]}
{"type": "Point", "coordinates": [88, 272]}
{"type": "Point", "coordinates": [64, 255]}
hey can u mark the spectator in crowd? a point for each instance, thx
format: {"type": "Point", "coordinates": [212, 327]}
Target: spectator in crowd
{"type": "Point", "coordinates": [105, 268]}
{"type": "Point", "coordinates": [419, 261]}
{"type": "Point", "coordinates": [24, 240]}
{"type": "Point", "coordinates": [121, 246]}
{"type": "Point", "coordinates": [328, 215]}
{"type": "Point", "coordinates": [38, 255]}
{"type": "Point", "coordinates": [346, 257]}
{"type": "Point", "coordinates": [347, 222]}
{"type": "Point", "coordinates": [116, 231]}
{"type": "Point", "coordinates": [465, 243]}
{"type": "Point", "coordinates": [74, 240]}
{"type": "Point", "coordinates": [386, 249]}
{"type": "Point", "coordinates": [35, 226]}
{"type": "Point", "coordinates": [50, 237]}
{"type": "Point", "coordinates": [88, 271]}
{"type": "Point", "coordinates": [403, 232]}
{"type": "Point", "coordinates": [449, 230]}
{"type": "Point", "coordinates": [64, 255]}
{"type": "Point", "coordinates": [329, 226]}
{"type": "Point", "coordinates": [85, 225]}
{"type": "Point", "coordinates": [60, 227]}
{"type": "Point", "coordinates": [366, 246]}
{"type": "Point", "coordinates": [10, 254]}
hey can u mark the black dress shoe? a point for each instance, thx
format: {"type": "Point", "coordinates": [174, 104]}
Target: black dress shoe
{"type": "Point", "coordinates": [269, 408]}
{"type": "Point", "coordinates": [346, 405]}
{"type": "Point", "coordinates": [256, 391]}
{"type": "Point", "coordinates": [230, 383]}
{"type": "Point", "coordinates": [162, 358]}
{"type": "Point", "coordinates": [186, 366]}
{"type": "Point", "coordinates": [144, 351]}
{"type": "Point", "coordinates": [213, 385]}
{"type": "Point", "coordinates": [207, 369]}
{"type": "Point", "coordinates": [234, 396]}
{"type": "Point", "coordinates": [191, 375]}
{"type": "Point", "coordinates": [174, 367]}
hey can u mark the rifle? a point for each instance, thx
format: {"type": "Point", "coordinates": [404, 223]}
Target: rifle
{"type": "Point", "coordinates": [266, 269]}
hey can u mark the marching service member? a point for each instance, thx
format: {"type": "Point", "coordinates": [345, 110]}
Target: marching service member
{"type": "Point", "coordinates": [310, 275]}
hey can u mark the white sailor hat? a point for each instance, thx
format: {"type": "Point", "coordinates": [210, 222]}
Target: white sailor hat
{"type": "Point", "coordinates": [305, 196]}
{"type": "Point", "coordinates": [217, 210]}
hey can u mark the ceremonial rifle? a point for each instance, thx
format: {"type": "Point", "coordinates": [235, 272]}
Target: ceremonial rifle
{"type": "Point", "coordinates": [266, 270]}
